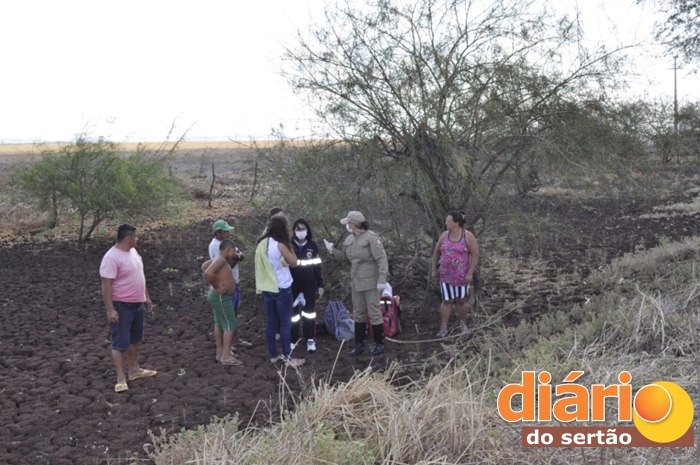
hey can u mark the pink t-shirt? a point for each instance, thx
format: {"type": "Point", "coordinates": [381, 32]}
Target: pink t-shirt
{"type": "Point", "coordinates": [126, 268]}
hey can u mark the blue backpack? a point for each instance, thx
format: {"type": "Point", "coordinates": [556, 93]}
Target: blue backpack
{"type": "Point", "coordinates": [338, 321]}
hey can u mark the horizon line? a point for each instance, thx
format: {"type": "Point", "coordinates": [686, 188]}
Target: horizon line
{"type": "Point", "coordinates": [38, 147]}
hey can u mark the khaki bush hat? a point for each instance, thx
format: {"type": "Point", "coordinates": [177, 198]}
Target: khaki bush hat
{"type": "Point", "coordinates": [354, 218]}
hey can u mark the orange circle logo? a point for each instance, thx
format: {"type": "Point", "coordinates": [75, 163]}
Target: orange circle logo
{"type": "Point", "coordinates": [663, 411]}
{"type": "Point", "coordinates": [653, 403]}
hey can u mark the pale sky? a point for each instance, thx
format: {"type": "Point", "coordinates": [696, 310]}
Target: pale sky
{"type": "Point", "coordinates": [126, 70]}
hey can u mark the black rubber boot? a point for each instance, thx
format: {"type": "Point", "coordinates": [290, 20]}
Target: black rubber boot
{"type": "Point", "coordinates": [378, 331]}
{"type": "Point", "coordinates": [360, 335]}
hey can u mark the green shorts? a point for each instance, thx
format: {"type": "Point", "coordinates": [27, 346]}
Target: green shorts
{"type": "Point", "coordinates": [224, 317]}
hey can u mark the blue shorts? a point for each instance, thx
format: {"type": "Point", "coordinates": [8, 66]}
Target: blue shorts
{"type": "Point", "coordinates": [129, 330]}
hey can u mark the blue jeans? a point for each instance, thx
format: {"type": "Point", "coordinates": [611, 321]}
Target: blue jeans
{"type": "Point", "coordinates": [279, 309]}
{"type": "Point", "coordinates": [236, 298]}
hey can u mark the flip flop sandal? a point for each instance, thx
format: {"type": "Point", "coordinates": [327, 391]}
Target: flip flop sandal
{"type": "Point", "coordinates": [233, 362]}
{"type": "Point", "coordinates": [143, 374]}
{"type": "Point", "coordinates": [121, 387]}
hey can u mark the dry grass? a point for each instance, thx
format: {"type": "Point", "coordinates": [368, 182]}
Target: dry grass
{"type": "Point", "coordinates": [368, 420]}
{"type": "Point", "coordinates": [645, 265]}
{"type": "Point", "coordinates": [645, 319]}
{"type": "Point", "coordinates": [653, 301]}
{"type": "Point", "coordinates": [656, 323]}
{"type": "Point", "coordinates": [681, 208]}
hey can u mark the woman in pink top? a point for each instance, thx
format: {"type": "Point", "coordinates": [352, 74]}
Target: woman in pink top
{"type": "Point", "coordinates": [457, 255]}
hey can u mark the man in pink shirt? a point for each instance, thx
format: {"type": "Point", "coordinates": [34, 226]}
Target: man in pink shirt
{"type": "Point", "coordinates": [125, 297]}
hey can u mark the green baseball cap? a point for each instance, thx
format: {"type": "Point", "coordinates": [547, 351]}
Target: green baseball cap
{"type": "Point", "coordinates": [221, 225]}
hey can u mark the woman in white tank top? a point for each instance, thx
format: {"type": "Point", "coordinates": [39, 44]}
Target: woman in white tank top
{"type": "Point", "coordinates": [279, 304]}
{"type": "Point", "coordinates": [274, 254]}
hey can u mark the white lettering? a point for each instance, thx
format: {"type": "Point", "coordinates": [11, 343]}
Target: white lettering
{"type": "Point", "coordinates": [625, 438]}
{"type": "Point", "coordinates": [533, 438]}
{"type": "Point", "coordinates": [547, 438]}
{"type": "Point", "coordinates": [611, 437]}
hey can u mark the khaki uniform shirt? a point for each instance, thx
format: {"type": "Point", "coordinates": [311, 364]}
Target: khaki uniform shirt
{"type": "Point", "coordinates": [369, 265]}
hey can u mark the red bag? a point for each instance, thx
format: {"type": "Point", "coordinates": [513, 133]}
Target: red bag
{"type": "Point", "coordinates": [391, 312]}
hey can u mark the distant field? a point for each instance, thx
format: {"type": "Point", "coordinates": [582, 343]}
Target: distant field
{"type": "Point", "coordinates": [14, 149]}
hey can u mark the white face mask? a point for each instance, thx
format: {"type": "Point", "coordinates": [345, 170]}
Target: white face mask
{"type": "Point", "coordinates": [349, 228]}
{"type": "Point", "coordinates": [301, 235]}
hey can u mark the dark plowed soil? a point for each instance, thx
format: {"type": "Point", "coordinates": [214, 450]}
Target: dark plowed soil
{"type": "Point", "coordinates": [57, 404]}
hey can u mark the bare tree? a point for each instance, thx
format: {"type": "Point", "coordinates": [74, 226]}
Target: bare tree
{"type": "Point", "coordinates": [454, 92]}
{"type": "Point", "coordinates": [680, 31]}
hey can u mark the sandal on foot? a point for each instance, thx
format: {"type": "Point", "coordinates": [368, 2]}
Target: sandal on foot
{"type": "Point", "coordinates": [143, 373]}
{"type": "Point", "coordinates": [442, 333]}
{"type": "Point", "coordinates": [231, 361]}
{"type": "Point", "coordinates": [293, 362]}
{"type": "Point", "coordinates": [121, 387]}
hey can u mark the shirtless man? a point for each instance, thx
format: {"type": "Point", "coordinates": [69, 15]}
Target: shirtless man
{"type": "Point", "coordinates": [218, 274]}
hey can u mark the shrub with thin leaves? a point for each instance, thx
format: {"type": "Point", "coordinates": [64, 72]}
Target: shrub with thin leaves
{"type": "Point", "coordinates": [94, 180]}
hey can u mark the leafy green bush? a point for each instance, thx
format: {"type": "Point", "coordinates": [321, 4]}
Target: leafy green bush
{"type": "Point", "coordinates": [95, 181]}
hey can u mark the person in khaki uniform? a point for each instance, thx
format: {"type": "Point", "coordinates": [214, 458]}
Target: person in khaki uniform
{"type": "Point", "coordinates": [368, 273]}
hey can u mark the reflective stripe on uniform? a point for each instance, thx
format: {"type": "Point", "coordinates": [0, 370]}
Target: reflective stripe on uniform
{"type": "Point", "coordinates": [309, 315]}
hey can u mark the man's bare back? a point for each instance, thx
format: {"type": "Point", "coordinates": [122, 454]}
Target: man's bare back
{"type": "Point", "coordinates": [218, 274]}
